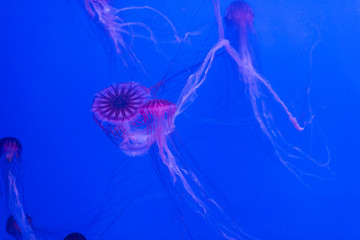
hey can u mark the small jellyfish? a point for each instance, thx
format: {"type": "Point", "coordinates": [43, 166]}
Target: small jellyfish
{"type": "Point", "coordinates": [10, 149]}
{"type": "Point", "coordinates": [75, 236]}
{"type": "Point", "coordinates": [10, 162]}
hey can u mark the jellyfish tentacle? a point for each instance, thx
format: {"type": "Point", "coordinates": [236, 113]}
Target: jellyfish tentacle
{"type": "Point", "coordinates": [195, 80]}
{"type": "Point", "coordinates": [17, 209]}
{"type": "Point", "coordinates": [160, 115]}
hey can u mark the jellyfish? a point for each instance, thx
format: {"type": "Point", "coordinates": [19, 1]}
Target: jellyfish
{"type": "Point", "coordinates": [239, 19]}
{"type": "Point", "coordinates": [10, 162]}
{"type": "Point", "coordinates": [75, 236]}
{"type": "Point", "coordinates": [136, 122]}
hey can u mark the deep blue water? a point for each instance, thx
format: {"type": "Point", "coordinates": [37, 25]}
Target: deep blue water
{"type": "Point", "coordinates": [54, 58]}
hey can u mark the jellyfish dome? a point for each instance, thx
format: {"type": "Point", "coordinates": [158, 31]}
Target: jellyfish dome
{"type": "Point", "coordinates": [159, 114]}
{"type": "Point", "coordinates": [239, 13]}
{"type": "Point", "coordinates": [10, 148]}
{"type": "Point", "coordinates": [116, 111]}
{"type": "Point", "coordinates": [75, 236]}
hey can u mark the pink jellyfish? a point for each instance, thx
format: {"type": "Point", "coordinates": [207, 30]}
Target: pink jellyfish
{"type": "Point", "coordinates": [10, 162]}
{"type": "Point", "coordinates": [240, 17]}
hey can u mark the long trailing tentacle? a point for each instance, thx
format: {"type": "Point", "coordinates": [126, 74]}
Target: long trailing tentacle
{"type": "Point", "coordinates": [258, 87]}
{"type": "Point", "coordinates": [17, 209]}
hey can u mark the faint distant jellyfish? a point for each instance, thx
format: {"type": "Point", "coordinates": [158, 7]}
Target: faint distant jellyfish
{"type": "Point", "coordinates": [239, 19]}
{"type": "Point", "coordinates": [240, 14]}
{"type": "Point", "coordinates": [11, 160]}
{"type": "Point", "coordinates": [75, 236]}
{"type": "Point", "coordinates": [116, 111]}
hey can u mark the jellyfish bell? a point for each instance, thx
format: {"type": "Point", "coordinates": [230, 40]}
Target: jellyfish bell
{"type": "Point", "coordinates": [120, 103]}
{"type": "Point", "coordinates": [10, 162]}
{"type": "Point", "coordinates": [10, 148]}
{"type": "Point", "coordinates": [239, 19]}
{"type": "Point", "coordinates": [75, 236]}
{"type": "Point", "coordinates": [159, 114]}
{"type": "Point", "coordinates": [239, 14]}
{"type": "Point", "coordinates": [116, 111]}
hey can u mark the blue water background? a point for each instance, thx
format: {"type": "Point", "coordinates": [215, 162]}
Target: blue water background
{"type": "Point", "coordinates": [54, 59]}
